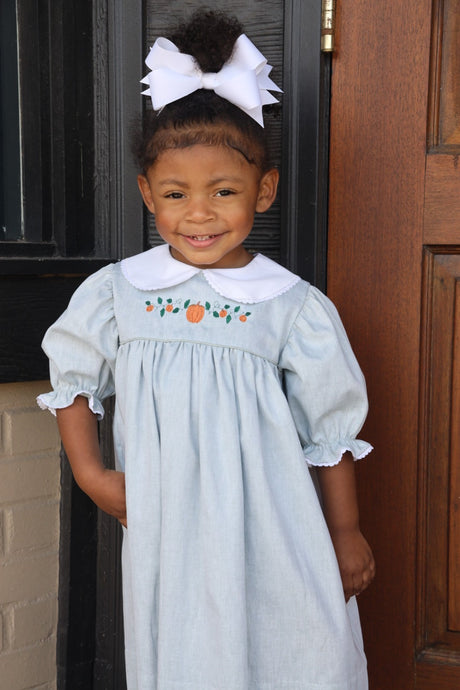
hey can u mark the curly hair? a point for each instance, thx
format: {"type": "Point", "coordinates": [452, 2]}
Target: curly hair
{"type": "Point", "coordinates": [202, 117]}
{"type": "Point", "coordinates": [209, 36]}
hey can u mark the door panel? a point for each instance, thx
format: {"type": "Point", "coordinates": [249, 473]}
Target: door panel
{"type": "Point", "coordinates": [394, 244]}
{"type": "Point", "coordinates": [377, 171]}
{"type": "Point", "coordinates": [442, 190]}
{"type": "Point", "coordinates": [444, 126]}
{"type": "Point", "coordinates": [438, 627]}
{"type": "Point", "coordinates": [442, 198]}
{"type": "Point", "coordinates": [438, 641]}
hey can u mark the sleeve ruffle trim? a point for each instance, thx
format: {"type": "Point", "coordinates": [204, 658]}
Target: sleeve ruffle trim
{"type": "Point", "coordinates": [57, 400]}
{"type": "Point", "coordinates": [328, 455]}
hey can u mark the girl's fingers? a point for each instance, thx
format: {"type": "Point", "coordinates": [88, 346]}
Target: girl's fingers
{"type": "Point", "coordinates": [366, 579]}
{"type": "Point", "coordinates": [356, 583]}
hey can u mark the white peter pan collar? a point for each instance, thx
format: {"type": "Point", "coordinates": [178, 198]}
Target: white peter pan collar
{"type": "Point", "coordinates": [262, 279]}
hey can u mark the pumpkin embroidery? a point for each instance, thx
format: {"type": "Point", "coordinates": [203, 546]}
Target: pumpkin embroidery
{"type": "Point", "coordinates": [194, 313]}
{"type": "Point", "coordinates": [224, 313]}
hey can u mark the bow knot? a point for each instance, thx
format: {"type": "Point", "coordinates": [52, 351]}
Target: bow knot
{"type": "Point", "coordinates": [209, 80]}
{"type": "Point", "coordinates": [243, 80]}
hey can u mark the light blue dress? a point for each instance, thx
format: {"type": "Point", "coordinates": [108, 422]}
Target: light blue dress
{"type": "Point", "coordinates": [228, 384]}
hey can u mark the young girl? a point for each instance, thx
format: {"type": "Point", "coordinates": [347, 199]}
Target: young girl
{"type": "Point", "coordinates": [232, 376]}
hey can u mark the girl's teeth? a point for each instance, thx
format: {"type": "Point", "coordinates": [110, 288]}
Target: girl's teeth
{"type": "Point", "coordinates": [203, 238]}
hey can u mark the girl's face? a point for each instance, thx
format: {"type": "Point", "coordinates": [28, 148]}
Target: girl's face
{"type": "Point", "coordinates": [204, 199]}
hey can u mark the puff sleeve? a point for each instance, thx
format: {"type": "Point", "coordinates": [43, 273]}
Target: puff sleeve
{"type": "Point", "coordinates": [82, 347]}
{"type": "Point", "coordinates": [324, 385]}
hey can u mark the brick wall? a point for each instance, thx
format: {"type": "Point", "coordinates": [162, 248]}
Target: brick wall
{"type": "Point", "coordinates": [29, 539]}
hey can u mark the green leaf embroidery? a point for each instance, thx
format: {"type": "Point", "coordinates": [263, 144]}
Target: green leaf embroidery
{"type": "Point", "coordinates": [221, 313]}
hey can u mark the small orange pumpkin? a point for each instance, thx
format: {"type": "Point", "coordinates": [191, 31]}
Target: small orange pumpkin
{"type": "Point", "coordinates": [243, 318]}
{"type": "Point", "coordinates": [223, 313]}
{"type": "Point", "coordinates": [195, 313]}
{"type": "Point", "coordinates": [169, 307]}
{"type": "Point", "coordinates": [149, 307]}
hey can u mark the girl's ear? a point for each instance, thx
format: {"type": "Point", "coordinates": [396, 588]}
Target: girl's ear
{"type": "Point", "coordinates": [268, 187]}
{"type": "Point", "coordinates": [146, 193]}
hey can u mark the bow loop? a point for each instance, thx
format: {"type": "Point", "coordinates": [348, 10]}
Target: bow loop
{"type": "Point", "coordinates": [243, 80]}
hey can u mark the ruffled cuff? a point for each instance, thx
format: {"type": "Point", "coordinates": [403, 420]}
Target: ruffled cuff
{"type": "Point", "coordinates": [56, 400]}
{"type": "Point", "coordinates": [328, 455]}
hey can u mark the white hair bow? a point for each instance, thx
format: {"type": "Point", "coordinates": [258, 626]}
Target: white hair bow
{"type": "Point", "coordinates": [243, 80]}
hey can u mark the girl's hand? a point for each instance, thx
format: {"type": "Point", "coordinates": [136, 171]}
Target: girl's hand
{"type": "Point", "coordinates": [107, 489]}
{"type": "Point", "coordinates": [355, 559]}
{"type": "Point", "coordinates": [340, 506]}
{"type": "Point", "coordinates": [78, 428]}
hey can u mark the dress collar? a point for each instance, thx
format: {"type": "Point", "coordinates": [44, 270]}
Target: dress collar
{"type": "Point", "coordinates": [258, 281]}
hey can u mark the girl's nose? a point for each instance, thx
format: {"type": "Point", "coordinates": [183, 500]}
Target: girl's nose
{"type": "Point", "coordinates": [199, 210]}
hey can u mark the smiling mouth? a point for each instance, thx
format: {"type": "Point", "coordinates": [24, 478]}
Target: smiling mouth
{"type": "Point", "coordinates": [202, 238]}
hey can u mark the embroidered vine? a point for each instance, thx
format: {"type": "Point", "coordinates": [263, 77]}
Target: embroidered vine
{"type": "Point", "coordinates": [194, 313]}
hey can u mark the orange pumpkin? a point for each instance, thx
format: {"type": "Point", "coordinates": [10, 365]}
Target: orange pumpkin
{"type": "Point", "coordinates": [149, 307]}
{"type": "Point", "coordinates": [195, 313]}
{"type": "Point", "coordinates": [169, 307]}
{"type": "Point", "coordinates": [243, 318]}
{"type": "Point", "coordinates": [223, 313]}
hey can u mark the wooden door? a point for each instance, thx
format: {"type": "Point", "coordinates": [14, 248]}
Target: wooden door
{"type": "Point", "coordinates": [394, 246]}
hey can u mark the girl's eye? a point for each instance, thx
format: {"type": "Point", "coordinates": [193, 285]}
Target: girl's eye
{"type": "Point", "coordinates": [174, 195]}
{"type": "Point", "coordinates": [224, 192]}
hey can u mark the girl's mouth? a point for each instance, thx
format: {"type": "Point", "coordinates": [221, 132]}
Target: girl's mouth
{"type": "Point", "coordinates": [202, 241]}
{"type": "Point", "coordinates": [202, 238]}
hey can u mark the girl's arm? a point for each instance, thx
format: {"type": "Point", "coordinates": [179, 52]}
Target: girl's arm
{"type": "Point", "coordinates": [78, 429]}
{"type": "Point", "coordinates": [340, 505]}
